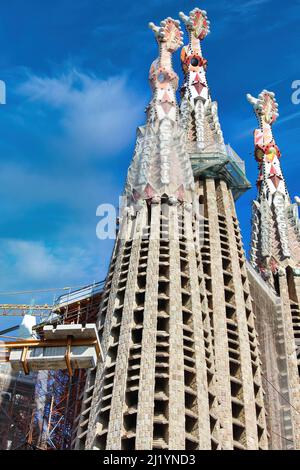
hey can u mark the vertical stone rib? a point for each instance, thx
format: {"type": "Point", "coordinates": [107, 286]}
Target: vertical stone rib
{"type": "Point", "coordinates": [220, 327]}
{"type": "Point", "coordinates": [297, 391]}
{"type": "Point", "coordinates": [118, 251]}
{"type": "Point", "coordinates": [247, 377]}
{"type": "Point", "coordinates": [255, 352]}
{"type": "Point", "coordinates": [202, 387]}
{"type": "Point", "coordinates": [176, 378]}
{"type": "Point", "coordinates": [145, 415]}
{"type": "Point", "coordinates": [291, 358]}
{"type": "Point", "coordinates": [118, 399]}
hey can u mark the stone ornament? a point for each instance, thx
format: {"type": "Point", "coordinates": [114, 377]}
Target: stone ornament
{"type": "Point", "coordinates": [168, 33]}
{"type": "Point", "coordinates": [197, 22]}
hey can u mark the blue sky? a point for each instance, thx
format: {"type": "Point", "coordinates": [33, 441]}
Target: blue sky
{"type": "Point", "coordinates": [76, 76]}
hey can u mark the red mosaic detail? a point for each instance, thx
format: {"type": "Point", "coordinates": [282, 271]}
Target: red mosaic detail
{"type": "Point", "coordinates": [172, 35]}
{"type": "Point", "coordinates": [200, 24]}
{"type": "Point", "coordinates": [149, 191]}
{"type": "Point", "coordinates": [198, 84]}
{"type": "Point", "coordinates": [136, 195]}
{"type": "Point", "coordinates": [166, 103]}
{"type": "Point", "coordinates": [180, 193]}
{"type": "Point", "coordinates": [273, 265]}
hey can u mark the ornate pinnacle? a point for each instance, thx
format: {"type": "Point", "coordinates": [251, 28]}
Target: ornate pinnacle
{"type": "Point", "coordinates": [196, 23]}
{"type": "Point", "coordinates": [265, 107]}
{"type": "Point", "coordinates": [273, 198]}
{"type": "Point", "coordinates": [270, 180]}
{"type": "Point", "coordinates": [168, 33]}
{"type": "Point", "coordinates": [161, 164]}
{"type": "Point", "coordinates": [193, 63]}
{"type": "Point", "coordinates": [163, 79]}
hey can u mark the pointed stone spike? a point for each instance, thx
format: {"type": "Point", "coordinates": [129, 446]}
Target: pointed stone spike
{"type": "Point", "coordinates": [184, 18]}
{"type": "Point", "coordinates": [251, 99]}
{"type": "Point", "coordinates": [153, 27]}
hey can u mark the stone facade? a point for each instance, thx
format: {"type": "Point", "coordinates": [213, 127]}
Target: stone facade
{"type": "Point", "coordinates": [268, 313]}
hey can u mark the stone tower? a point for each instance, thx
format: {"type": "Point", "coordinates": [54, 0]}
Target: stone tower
{"type": "Point", "coordinates": [275, 255]}
{"type": "Point", "coordinates": [182, 367]}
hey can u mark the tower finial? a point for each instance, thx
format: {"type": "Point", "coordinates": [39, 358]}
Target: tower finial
{"type": "Point", "coordinates": [195, 91]}
{"type": "Point", "coordinates": [267, 153]}
{"type": "Point", "coordinates": [161, 164]}
{"type": "Point", "coordinates": [193, 63]}
{"type": "Point", "coordinates": [269, 209]}
{"type": "Point", "coordinates": [163, 79]}
{"type": "Point", "coordinates": [265, 107]}
{"type": "Point", "coordinates": [196, 23]}
{"type": "Point", "coordinates": [168, 33]}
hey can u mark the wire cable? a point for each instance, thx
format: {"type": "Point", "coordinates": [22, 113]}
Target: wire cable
{"type": "Point", "coordinates": [282, 437]}
{"type": "Point", "coordinates": [280, 394]}
{"type": "Point", "coordinates": [50, 289]}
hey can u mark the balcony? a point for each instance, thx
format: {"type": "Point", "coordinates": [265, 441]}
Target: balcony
{"type": "Point", "coordinates": [220, 161]}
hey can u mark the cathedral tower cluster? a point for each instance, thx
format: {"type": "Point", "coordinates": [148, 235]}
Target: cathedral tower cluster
{"type": "Point", "coordinates": [182, 366]}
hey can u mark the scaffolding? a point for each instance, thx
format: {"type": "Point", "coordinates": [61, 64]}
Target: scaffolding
{"type": "Point", "coordinates": [55, 402]}
{"type": "Point", "coordinates": [59, 394]}
{"type": "Point", "coordinates": [17, 403]}
{"type": "Point", "coordinates": [218, 160]}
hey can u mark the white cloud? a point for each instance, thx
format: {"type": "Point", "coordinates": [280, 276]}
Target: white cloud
{"type": "Point", "coordinates": [97, 116]}
{"type": "Point", "coordinates": [70, 254]}
{"type": "Point", "coordinates": [39, 187]}
{"type": "Point", "coordinates": [32, 271]}
{"type": "Point", "coordinates": [250, 4]}
{"type": "Point", "coordinates": [289, 117]}
{"type": "Point", "coordinates": [241, 12]}
{"type": "Point", "coordinates": [33, 263]}
{"type": "Point", "coordinates": [243, 9]}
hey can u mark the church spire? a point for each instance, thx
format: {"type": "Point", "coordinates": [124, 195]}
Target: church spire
{"type": "Point", "coordinates": [193, 63]}
{"type": "Point", "coordinates": [199, 113]}
{"type": "Point", "coordinates": [275, 231]}
{"type": "Point", "coordinates": [267, 153]}
{"type": "Point", "coordinates": [163, 79]}
{"type": "Point", "coordinates": [161, 165]}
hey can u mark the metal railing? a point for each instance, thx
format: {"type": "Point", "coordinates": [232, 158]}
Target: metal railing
{"type": "Point", "coordinates": [79, 294]}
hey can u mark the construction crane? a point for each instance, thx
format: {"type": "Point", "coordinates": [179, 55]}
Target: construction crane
{"type": "Point", "coordinates": [75, 294]}
{"type": "Point", "coordinates": [14, 310]}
